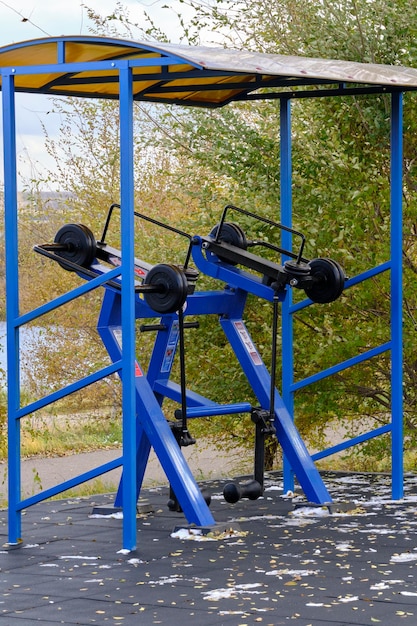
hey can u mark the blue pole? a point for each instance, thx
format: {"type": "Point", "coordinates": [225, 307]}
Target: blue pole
{"type": "Point", "coordinates": [287, 321]}
{"type": "Point", "coordinates": [12, 306]}
{"type": "Point", "coordinates": [396, 297]}
{"type": "Point", "coordinates": [128, 307]}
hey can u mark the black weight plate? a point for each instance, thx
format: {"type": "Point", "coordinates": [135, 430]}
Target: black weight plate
{"type": "Point", "coordinates": [93, 245]}
{"type": "Point", "coordinates": [297, 270]}
{"type": "Point", "coordinates": [171, 288]}
{"type": "Point", "coordinates": [342, 275]}
{"type": "Point", "coordinates": [230, 233]}
{"type": "Point", "coordinates": [80, 242]}
{"type": "Point", "coordinates": [329, 283]}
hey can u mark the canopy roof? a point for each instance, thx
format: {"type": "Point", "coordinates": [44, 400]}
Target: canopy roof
{"type": "Point", "coordinates": [203, 76]}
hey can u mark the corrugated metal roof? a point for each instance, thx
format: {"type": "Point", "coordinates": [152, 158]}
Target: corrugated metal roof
{"type": "Point", "coordinates": [204, 76]}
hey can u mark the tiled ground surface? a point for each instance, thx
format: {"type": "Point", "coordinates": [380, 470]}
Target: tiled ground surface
{"type": "Point", "coordinates": [287, 565]}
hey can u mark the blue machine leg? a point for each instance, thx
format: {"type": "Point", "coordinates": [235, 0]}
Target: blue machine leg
{"type": "Point", "coordinates": [152, 427]}
{"type": "Point", "coordinates": [287, 433]}
{"type": "Point", "coordinates": [143, 451]}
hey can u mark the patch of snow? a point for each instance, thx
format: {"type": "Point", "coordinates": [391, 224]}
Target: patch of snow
{"type": "Point", "coordinates": [408, 593]}
{"type": "Point", "coordinates": [94, 580]}
{"type": "Point", "coordinates": [228, 592]}
{"type": "Point", "coordinates": [311, 511]}
{"type": "Point", "coordinates": [117, 515]}
{"type": "Point", "coordinates": [343, 547]}
{"type": "Point", "coordinates": [381, 585]}
{"type": "Point", "coordinates": [78, 556]}
{"type": "Point", "coordinates": [166, 580]}
{"type": "Point", "coordinates": [188, 534]}
{"type": "Point", "coordinates": [404, 557]}
{"type": "Point", "coordinates": [292, 572]}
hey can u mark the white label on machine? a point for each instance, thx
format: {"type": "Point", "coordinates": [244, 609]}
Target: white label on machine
{"type": "Point", "coordinates": [247, 342]}
{"type": "Point", "coordinates": [170, 349]}
{"type": "Point", "coordinates": [117, 334]}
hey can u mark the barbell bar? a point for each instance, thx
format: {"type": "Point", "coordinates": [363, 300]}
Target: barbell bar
{"type": "Point", "coordinates": [165, 287]}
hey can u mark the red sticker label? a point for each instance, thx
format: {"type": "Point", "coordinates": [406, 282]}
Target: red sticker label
{"type": "Point", "coordinates": [138, 371]}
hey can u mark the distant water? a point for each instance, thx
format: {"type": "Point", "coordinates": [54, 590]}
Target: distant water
{"type": "Point", "coordinates": [29, 336]}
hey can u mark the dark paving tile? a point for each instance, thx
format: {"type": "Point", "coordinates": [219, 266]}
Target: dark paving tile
{"type": "Point", "coordinates": [302, 566]}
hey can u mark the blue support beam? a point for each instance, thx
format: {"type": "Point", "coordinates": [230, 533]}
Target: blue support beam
{"type": "Point", "coordinates": [12, 305]}
{"type": "Point", "coordinates": [287, 324]}
{"type": "Point", "coordinates": [128, 305]}
{"type": "Point", "coordinates": [397, 295]}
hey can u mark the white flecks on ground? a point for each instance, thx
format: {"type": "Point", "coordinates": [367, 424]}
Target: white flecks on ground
{"type": "Point", "coordinates": [379, 530]}
{"type": "Point", "coordinates": [343, 547]}
{"type": "Point", "coordinates": [255, 518]}
{"type": "Point", "coordinates": [135, 562]}
{"type": "Point", "coordinates": [310, 511]}
{"type": "Point", "coordinates": [79, 556]}
{"type": "Point", "coordinates": [116, 515]}
{"type": "Point", "coordinates": [94, 580]}
{"type": "Point", "coordinates": [220, 594]}
{"type": "Point", "coordinates": [188, 534]}
{"type": "Point", "coordinates": [166, 580]}
{"type": "Point", "coordinates": [403, 557]}
{"type": "Point", "coordinates": [179, 578]}
{"type": "Point", "coordinates": [279, 573]}
{"type": "Point", "coordinates": [408, 593]}
{"type": "Point", "coordinates": [379, 586]}
{"type": "Point", "coordinates": [196, 534]}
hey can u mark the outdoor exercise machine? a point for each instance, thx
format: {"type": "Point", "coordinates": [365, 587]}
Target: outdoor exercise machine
{"type": "Point", "coordinates": [168, 291]}
{"type": "Point", "coordinates": [129, 71]}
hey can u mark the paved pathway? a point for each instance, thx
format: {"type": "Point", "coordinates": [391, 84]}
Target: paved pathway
{"type": "Point", "coordinates": [206, 462]}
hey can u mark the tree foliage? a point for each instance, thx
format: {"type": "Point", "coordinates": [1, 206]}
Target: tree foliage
{"type": "Point", "coordinates": [341, 188]}
{"type": "Point", "coordinates": [190, 163]}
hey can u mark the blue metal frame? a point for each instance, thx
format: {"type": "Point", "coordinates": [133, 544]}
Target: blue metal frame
{"type": "Point", "coordinates": [149, 423]}
{"type": "Point", "coordinates": [127, 355]}
{"type": "Point", "coordinates": [138, 436]}
{"type": "Point", "coordinates": [12, 305]}
{"type": "Point", "coordinates": [287, 318]}
{"type": "Point", "coordinates": [394, 345]}
{"type": "Point", "coordinates": [397, 295]}
{"type": "Point", "coordinates": [155, 385]}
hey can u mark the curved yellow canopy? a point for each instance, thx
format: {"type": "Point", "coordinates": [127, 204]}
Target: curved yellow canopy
{"type": "Point", "coordinates": [203, 76]}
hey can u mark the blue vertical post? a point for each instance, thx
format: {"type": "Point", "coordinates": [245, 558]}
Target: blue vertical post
{"type": "Point", "coordinates": [12, 305]}
{"type": "Point", "coordinates": [128, 307]}
{"type": "Point", "coordinates": [396, 297]}
{"type": "Point", "coordinates": [287, 321]}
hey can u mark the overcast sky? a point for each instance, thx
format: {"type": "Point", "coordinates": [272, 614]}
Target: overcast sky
{"type": "Point", "coordinates": [21, 20]}
{"type": "Point", "coordinates": [30, 19]}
